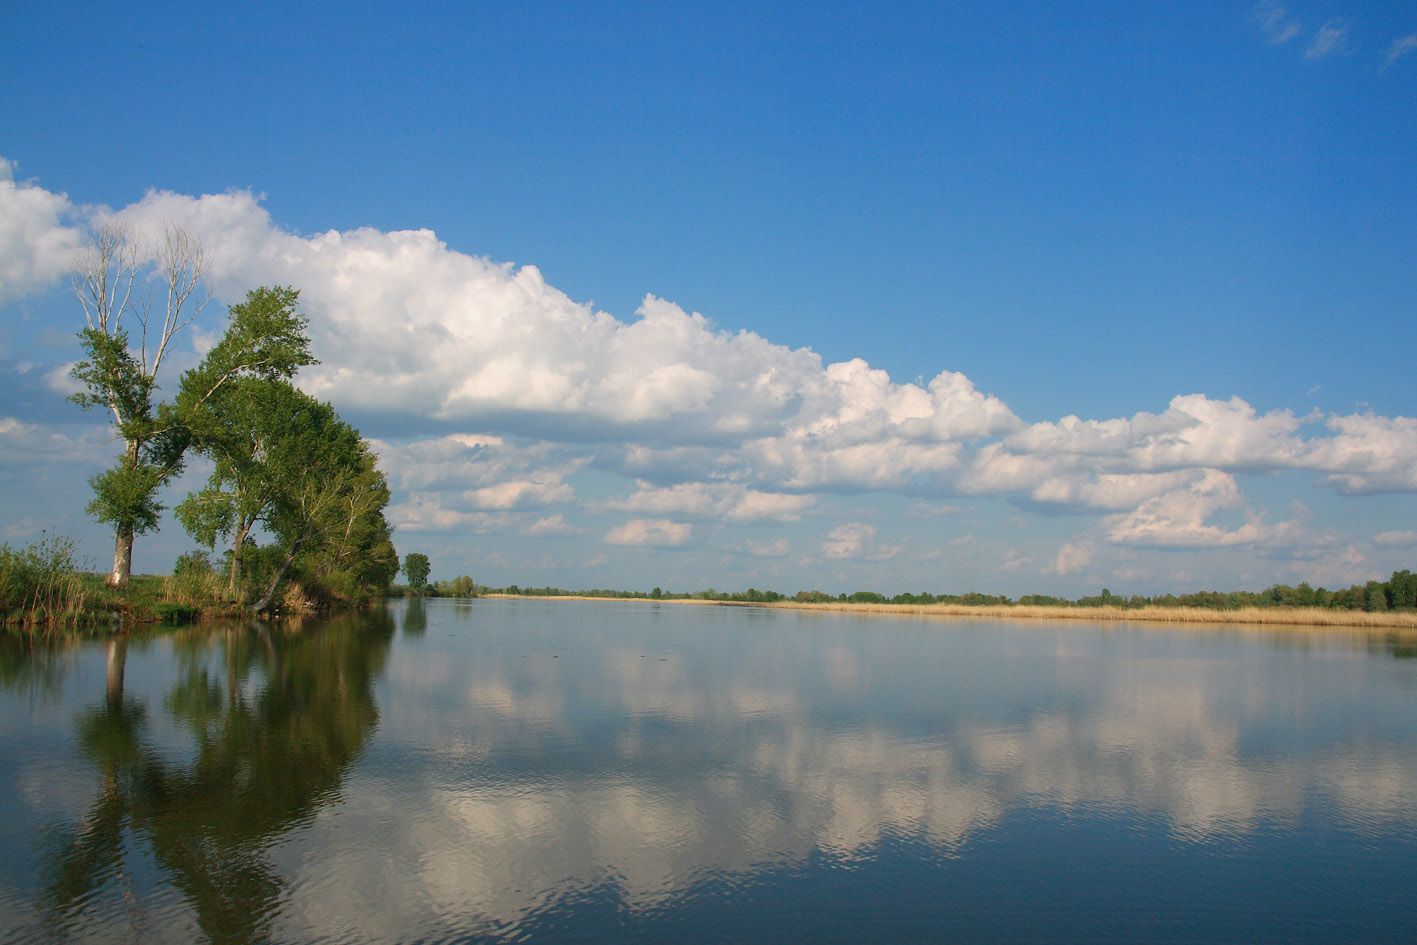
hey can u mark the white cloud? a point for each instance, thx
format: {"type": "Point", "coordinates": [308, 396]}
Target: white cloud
{"type": "Point", "coordinates": [730, 502]}
{"type": "Point", "coordinates": [1396, 539]}
{"type": "Point", "coordinates": [1399, 48]}
{"type": "Point", "coordinates": [1115, 465]}
{"type": "Point", "coordinates": [437, 474]}
{"type": "Point", "coordinates": [1070, 559]}
{"type": "Point", "coordinates": [650, 532]}
{"type": "Point", "coordinates": [1274, 22]}
{"type": "Point", "coordinates": [1180, 518]}
{"type": "Point", "coordinates": [521, 493]}
{"type": "Point", "coordinates": [848, 541]}
{"type": "Point", "coordinates": [29, 446]}
{"type": "Point", "coordinates": [36, 246]}
{"type": "Point", "coordinates": [1367, 454]}
{"type": "Point", "coordinates": [1332, 37]}
{"type": "Point", "coordinates": [711, 425]}
{"type": "Point", "coordinates": [857, 540]}
{"type": "Point", "coordinates": [424, 512]}
{"type": "Point", "coordinates": [552, 526]}
{"type": "Point", "coordinates": [770, 549]}
{"type": "Point", "coordinates": [460, 338]}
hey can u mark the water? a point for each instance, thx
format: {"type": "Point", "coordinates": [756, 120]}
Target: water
{"type": "Point", "coordinates": [560, 771]}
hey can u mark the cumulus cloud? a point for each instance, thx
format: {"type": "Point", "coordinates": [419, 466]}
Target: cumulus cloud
{"type": "Point", "coordinates": [545, 489]}
{"type": "Point", "coordinates": [1070, 559]}
{"type": "Point", "coordinates": [36, 246]}
{"type": "Point", "coordinates": [650, 532]}
{"type": "Point", "coordinates": [1396, 539]}
{"type": "Point", "coordinates": [1116, 465]}
{"type": "Point", "coordinates": [448, 479]}
{"type": "Point", "coordinates": [1367, 454]}
{"type": "Point", "coordinates": [730, 502]}
{"type": "Point", "coordinates": [857, 540]}
{"type": "Point", "coordinates": [710, 425]}
{"type": "Point", "coordinates": [29, 446]}
{"type": "Point", "coordinates": [552, 526]}
{"type": "Point", "coordinates": [423, 512]}
{"type": "Point", "coordinates": [1180, 518]}
{"type": "Point", "coordinates": [848, 541]}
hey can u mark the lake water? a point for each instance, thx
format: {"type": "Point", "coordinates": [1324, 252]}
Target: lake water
{"type": "Point", "coordinates": [577, 772]}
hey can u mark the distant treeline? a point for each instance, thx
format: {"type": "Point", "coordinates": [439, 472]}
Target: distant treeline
{"type": "Point", "coordinates": [1397, 593]}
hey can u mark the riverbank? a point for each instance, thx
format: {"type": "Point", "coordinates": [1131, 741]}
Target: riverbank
{"type": "Point", "coordinates": [1403, 621]}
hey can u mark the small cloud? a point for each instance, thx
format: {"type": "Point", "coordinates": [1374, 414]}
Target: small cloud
{"type": "Point", "coordinates": [60, 380]}
{"type": "Point", "coordinates": [650, 532]}
{"type": "Point", "coordinates": [520, 494]}
{"type": "Point", "coordinates": [1332, 37]}
{"type": "Point", "coordinates": [1399, 48]}
{"type": "Point", "coordinates": [550, 527]}
{"type": "Point", "coordinates": [849, 541]}
{"type": "Point", "coordinates": [1070, 559]}
{"type": "Point", "coordinates": [1274, 22]}
{"type": "Point", "coordinates": [925, 509]}
{"type": "Point", "coordinates": [767, 549]}
{"type": "Point", "coordinates": [1395, 539]}
{"type": "Point", "coordinates": [1015, 562]}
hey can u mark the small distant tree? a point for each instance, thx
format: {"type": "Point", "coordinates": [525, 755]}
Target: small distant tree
{"type": "Point", "coordinates": [416, 566]}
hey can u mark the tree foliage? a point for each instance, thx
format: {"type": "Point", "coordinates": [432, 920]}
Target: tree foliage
{"type": "Point", "coordinates": [284, 464]}
{"type": "Point", "coordinates": [416, 567]}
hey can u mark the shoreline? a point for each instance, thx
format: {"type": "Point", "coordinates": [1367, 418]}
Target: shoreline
{"type": "Point", "coordinates": [1287, 617]}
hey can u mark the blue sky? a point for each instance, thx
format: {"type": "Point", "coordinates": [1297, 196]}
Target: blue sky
{"type": "Point", "coordinates": [919, 238]}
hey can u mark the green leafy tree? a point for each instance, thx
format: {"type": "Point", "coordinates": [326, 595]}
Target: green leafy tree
{"type": "Point", "coordinates": [234, 405]}
{"type": "Point", "coordinates": [416, 567]}
{"type": "Point", "coordinates": [282, 461]}
{"type": "Point", "coordinates": [328, 499]}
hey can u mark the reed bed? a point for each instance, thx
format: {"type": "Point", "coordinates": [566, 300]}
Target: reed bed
{"type": "Point", "coordinates": [1404, 620]}
{"type": "Point", "coordinates": [1257, 616]}
{"type": "Point", "coordinates": [39, 586]}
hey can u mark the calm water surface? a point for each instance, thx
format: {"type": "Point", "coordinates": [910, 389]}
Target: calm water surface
{"type": "Point", "coordinates": [559, 771]}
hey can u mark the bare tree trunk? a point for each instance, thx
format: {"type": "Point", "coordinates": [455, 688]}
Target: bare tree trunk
{"type": "Point", "coordinates": [233, 583]}
{"type": "Point", "coordinates": [264, 604]}
{"type": "Point", "coordinates": [122, 556]}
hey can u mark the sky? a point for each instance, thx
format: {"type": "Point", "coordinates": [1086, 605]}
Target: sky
{"type": "Point", "coordinates": [1013, 297]}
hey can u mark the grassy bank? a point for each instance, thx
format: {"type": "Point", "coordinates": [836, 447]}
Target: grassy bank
{"type": "Point", "coordinates": [42, 589]}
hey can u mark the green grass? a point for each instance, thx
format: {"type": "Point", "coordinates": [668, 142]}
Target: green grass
{"type": "Point", "coordinates": [43, 589]}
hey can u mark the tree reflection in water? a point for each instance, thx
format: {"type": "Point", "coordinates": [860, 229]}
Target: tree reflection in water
{"type": "Point", "coordinates": [274, 733]}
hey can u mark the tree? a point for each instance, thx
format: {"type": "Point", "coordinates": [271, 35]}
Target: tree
{"type": "Point", "coordinates": [233, 406]}
{"type": "Point", "coordinates": [282, 460]}
{"type": "Point", "coordinates": [120, 375]}
{"type": "Point", "coordinates": [327, 504]}
{"type": "Point", "coordinates": [416, 566]}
